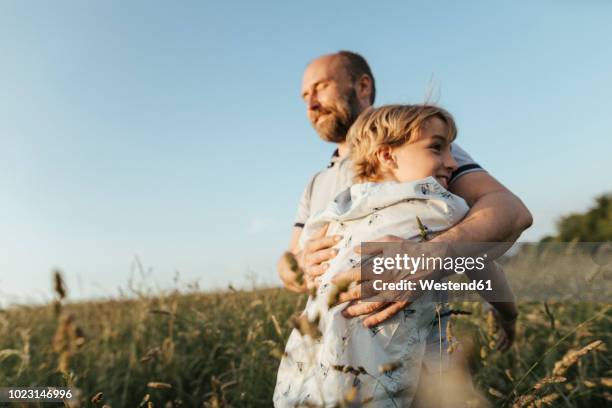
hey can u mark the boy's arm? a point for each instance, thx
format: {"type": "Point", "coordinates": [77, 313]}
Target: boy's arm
{"type": "Point", "coordinates": [501, 297]}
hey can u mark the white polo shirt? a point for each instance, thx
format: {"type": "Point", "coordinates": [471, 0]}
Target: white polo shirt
{"type": "Point", "coordinates": [324, 186]}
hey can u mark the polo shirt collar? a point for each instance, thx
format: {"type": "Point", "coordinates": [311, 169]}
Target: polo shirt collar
{"type": "Point", "coordinates": [335, 158]}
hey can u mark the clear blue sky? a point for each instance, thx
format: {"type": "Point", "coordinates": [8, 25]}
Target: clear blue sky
{"type": "Point", "coordinates": [174, 131]}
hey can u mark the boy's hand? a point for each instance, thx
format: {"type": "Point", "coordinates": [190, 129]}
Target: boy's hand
{"type": "Point", "coordinates": [508, 331]}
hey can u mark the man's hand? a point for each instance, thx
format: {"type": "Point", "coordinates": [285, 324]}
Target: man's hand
{"type": "Point", "coordinates": [317, 251]}
{"type": "Point", "coordinates": [290, 273]}
{"type": "Point", "coordinates": [311, 261]}
{"type": "Point", "coordinates": [378, 311]}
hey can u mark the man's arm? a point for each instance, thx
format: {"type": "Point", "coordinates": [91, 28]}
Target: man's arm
{"type": "Point", "coordinates": [496, 215]}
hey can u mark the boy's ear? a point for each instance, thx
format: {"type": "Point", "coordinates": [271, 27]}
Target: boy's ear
{"type": "Point", "coordinates": [386, 158]}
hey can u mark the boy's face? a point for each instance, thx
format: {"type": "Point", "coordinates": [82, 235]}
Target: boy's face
{"type": "Point", "coordinates": [430, 155]}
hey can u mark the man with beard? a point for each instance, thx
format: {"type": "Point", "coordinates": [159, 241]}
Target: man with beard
{"type": "Point", "coordinates": [336, 89]}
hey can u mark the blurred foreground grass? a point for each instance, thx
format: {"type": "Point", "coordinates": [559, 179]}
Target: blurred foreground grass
{"type": "Point", "coordinates": [222, 349]}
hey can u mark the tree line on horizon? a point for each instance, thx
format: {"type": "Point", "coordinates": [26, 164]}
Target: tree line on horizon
{"type": "Point", "coordinates": [594, 225]}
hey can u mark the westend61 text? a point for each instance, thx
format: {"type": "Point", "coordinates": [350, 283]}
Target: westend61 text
{"type": "Point", "coordinates": [476, 285]}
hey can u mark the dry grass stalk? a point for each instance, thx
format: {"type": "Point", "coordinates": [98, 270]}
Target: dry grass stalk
{"type": "Point", "coordinates": [306, 327]}
{"type": "Point", "coordinates": [491, 329]}
{"type": "Point", "coordinates": [349, 369]}
{"type": "Point", "coordinates": [551, 316]}
{"type": "Point", "coordinates": [60, 291]}
{"type": "Point", "coordinates": [57, 307]}
{"type": "Point", "coordinates": [530, 399]}
{"type": "Point", "coordinates": [160, 312]}
{"type": "Point", "coordinates": [167, 350]}
{"type": "Point", "coordinates": [312, 292]}
{"type": "Point", "coordinates": [68, 338]}
{"type": "Point", "coordinates": [159, 385]}
{"type": "Point", "coordinates": [336, 290]}
{"type": "Point", "coordinates": [606, 381]}
{"type": "Point", "coordinates": [490, 324]}
{"type": "Point", "coordinates": [453, 344]}
{"type": "Point", "coordinates": [58, 285]}
{"type": "Point", "coordinates": [217, 399]}
{"type": "Point", "coordinates": [97, 398]}
{"type": "Point", "coordinates": [589, 383]}
{"type": "Point", "coordinates": [423, 231]}
{"type": "Point", "coordinates": [495, 393]}
{"type": "Point", "coordinates": [277, 326]}
{"type": "Point", "coordinates": [151, 354]}
{"type": "Point", "coordinates": [523, 400]}
{"type": "Point", "coordinates": [276, 353]}
{"type": "Point", "coordinates": [548, 380]}
{"type": "Point", "coordinates": [544, 401]}
{"type": "Point", "coordinates": [560, 368]}
{"type": "Point", "coordinates": [572, 356]}
{"type": "Point", "coordinates": [8, 353]}
{"type": "Point", "coordinates": [389, 367]}
{"type": "Point", "coordinates": [351, 395]}
{"type": "Point", "coordinates": [294, 267]}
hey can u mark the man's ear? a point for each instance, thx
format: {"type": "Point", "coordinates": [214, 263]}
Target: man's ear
{"type": "Point", "coordinates": [386, 158]}
{"type": "Point", "coordinates": [363, 87]}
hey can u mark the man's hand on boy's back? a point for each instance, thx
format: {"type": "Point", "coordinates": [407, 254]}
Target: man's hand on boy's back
{"type": "Point", "coordinates": [379, 311]}
{"type": "Point", "coordinates": [313, 259]}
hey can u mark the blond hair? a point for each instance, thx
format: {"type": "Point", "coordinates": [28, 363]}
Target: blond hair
{"type": "Point", "coordinates": [390, 125]}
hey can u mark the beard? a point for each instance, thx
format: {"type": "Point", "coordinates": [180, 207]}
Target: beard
{"type": "Point", "coordinates": [337, 119]}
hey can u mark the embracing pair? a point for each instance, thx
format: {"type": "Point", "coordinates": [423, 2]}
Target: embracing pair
{"type": "Point", "coordinates": [395, 168]}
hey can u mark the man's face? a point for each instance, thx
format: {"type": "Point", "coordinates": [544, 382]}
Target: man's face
{"type": "Point", "coordinates": [330, 97]}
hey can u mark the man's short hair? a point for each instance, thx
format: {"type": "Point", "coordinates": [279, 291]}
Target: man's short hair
{"type": "Point", "coordinates": [357, 66]}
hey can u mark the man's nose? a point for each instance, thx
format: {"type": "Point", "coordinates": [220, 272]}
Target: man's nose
{"type": "Point", "coordinates": [313, 102]}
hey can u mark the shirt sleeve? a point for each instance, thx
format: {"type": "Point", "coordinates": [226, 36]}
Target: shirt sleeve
{"type": "Point", "coordinates": [303, 210]}
{"type": "Point", "coordinates": [465, 163]}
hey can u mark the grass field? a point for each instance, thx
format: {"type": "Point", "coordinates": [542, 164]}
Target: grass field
{"type": "Point", "coordinates": [223, 349]}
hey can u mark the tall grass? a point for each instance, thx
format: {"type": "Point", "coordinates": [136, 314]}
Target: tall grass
{"type": "Point", "coordinates": [223, 349]}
